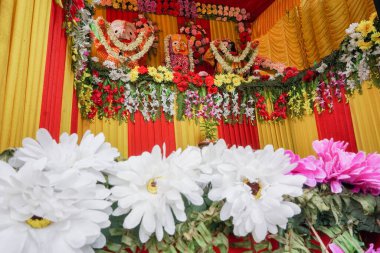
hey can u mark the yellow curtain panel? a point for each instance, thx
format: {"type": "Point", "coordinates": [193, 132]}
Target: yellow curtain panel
{"type": "Point", "coordinates": [366, 118]}
{"type": "Point", "coordinates": [23, 43]}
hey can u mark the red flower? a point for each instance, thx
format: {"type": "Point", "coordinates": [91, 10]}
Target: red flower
{"type": "Point", "coordinates": [197, 81]}
{"type": "Point", "coordinates": [309, 76]}
{"type": "Point", "coordinates": [143, 20]}
{"type": "Point", "coordinates": [183, 86]}
{"type": "Point", "coordinates": [142, 70]}
{"type": "Point", "coordinates": [177, 68]}
{"type": "Point", "coordinates": [92, 113]}
{"type": "Point", "coordinates": [197, 55]}
{"type": "Point", "coordinates": [212, 89]}
{"type": "Point", "coordinates": [209, 80]}
{"type": "Point", "coordinates": [177, 77]}
{"type": "Point", "coordinates": [96, 97]}
{"type": "Point", "coordinates": [198, 36]}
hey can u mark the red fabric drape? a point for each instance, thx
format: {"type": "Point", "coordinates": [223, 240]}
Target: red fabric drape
{"type": "Point", "coordinates": [242, 134]}
{"type": "Point", "coordinates": [143, 135]}
{"type": "Point", "coordinates": [337, 125]}
{"type": "Point", "coordinates": [113, 14]}
{"type": "Point", "coordinates": [54, 73]}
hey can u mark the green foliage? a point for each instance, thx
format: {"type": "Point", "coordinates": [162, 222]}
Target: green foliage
{"type": "Point", "coordinates": [208, 128]}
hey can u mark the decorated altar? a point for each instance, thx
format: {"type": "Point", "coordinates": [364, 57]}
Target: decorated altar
{"type": "Point", "coordinates": [216, 126]}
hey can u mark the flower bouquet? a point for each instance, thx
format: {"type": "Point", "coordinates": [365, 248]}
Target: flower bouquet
{"type": "Point", "coordinates": [199, 37]}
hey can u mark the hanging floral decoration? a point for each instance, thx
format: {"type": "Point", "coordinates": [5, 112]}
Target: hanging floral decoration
{"type": "Point", "coordinates": [141, 24]}
{"type": "Point", "coordinates": [227, 59]}
{"type": "Point", "coordinates": [245, 32]}
{"type": "Point", "coordinates": [81, 197]}
{"type": "Point", "coordinates": [199, 37]}
{"type": "Point", "coordinates": [105, 90]}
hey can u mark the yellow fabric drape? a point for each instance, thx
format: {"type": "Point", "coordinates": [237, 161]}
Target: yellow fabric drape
{"type": "Point", "coordinates": [294, 134]}
{"type": "Point", "coordinates": [115, 133]}
{"type": "Point", "coordinates": [312, 31]}
{"type": "Point", "coordinates": [67, 94]}
{"type": "Point", "coordinates": [223, 30]}
{"type": "Point", "coordinates": [187, 133]}
{"type": "Point", "coordinates": [283, 43]}
{"type": "Point", "coordinates": [271, 15]}
{"type": "Point", "coordinates": [365, 115]}
{"type": "Point", "coordinates": [167, 25]}
{"type": "Point", "coordinates": [23, 45]}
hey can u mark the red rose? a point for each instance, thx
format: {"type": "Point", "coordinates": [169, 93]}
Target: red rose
{"type": "Point", "coordinates": [209, 80]}
{"type": "Point", "coordinates": [309, 76]}
{"type": "Point", "coordinates": [92, 113]}
{"type": "Point", "coordinates": [197, 55]}
{"type": "Point", "coordinates": [212, 89]}
{"type": "Point", "coordinates": [177, 77]}
{"type": "Point", "coordinates": [183, 86]}
{"type": "Point", "coordinates": [142, 70]}
{"type": "Point", "coordinates": [197, 80]}
{"type": "Point", "coordinates": [143, 20]}
{"type": "Point", "coordinates": [198, 36]}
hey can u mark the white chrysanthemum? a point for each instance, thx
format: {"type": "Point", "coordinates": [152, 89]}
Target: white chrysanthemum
{"type": "Point", "coordinates": [91, 156]}
{"type": "Point", "coordinates": [150, 188]}
{"type": "Point", "coordinates": [253, 184]}
{"type": "Point", "coordinates": [60, 213]}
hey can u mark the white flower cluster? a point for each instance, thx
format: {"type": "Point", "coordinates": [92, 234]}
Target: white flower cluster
{"type": "Point", "coordinates": [226, 105]}
{"type": "Point", "coordinates": [53, 202]}
{"type": "Point", "coordinates": [131, 99]}
{"type": "Point", "coordinates": [235, 103]}
{"type": "Point", "coordinates": [250, 108]}
{"type": "Point", "coordinates": [167, 100]}
{"type": "Point", "coordinates": [119, 74]}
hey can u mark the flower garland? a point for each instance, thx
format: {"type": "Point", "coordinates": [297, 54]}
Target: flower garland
{"type": "Point", "coordinates": [226, 66]}
{"type": "Point", "coordinates": [133, 46]}
{"type": "Point", "coordinates": [221, 12]}
{"type": "Point", "coordinates": [245, 32]}
{"type": "Point", "coordinates": [279, 108]}
{"type": "Point", "coordinates": [167, 53]}
{"type": "Point", "coordinates": [337, 76]}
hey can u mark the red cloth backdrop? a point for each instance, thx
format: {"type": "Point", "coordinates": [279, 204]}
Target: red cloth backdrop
{"type": "Point", "coordinates": [242, 134]}
{"type": "Point", "coordinates": [143, 135]}
{"type": "Point", "coordinates": [337, 125]}
{"type": "Point", "coordinates": [54, 73]}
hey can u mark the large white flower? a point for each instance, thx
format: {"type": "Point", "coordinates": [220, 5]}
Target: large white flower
{"type": "Point", "coordinates": [91, 156]}
{"type": "Point", "coordinates": [44, 212]}
{"type": "Point", "coordinates": [150, 189]}
{"type": "Point", "coordinates": [253, 185]}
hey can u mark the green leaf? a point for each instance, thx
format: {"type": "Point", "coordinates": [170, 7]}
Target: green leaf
{"type": "Point", "coordinates": [368, 203]}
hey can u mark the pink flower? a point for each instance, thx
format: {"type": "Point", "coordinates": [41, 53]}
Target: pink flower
{"type": "Point", "coordinates": [220, 12]}
{"type": "Point", "coordinates": [357, 169]}
{"type": "Point", "coordinates": [243, 11]}
{"type": "Point", "coordinates": [335, 248]}
{"type": "Point", "coordinates": [187, 30]}
{"type": "Point", "coordinates": [241, 29]}
{"type": "Point", "coordinates": [224, 18]}
{"type": "Point", "coordinates": [310, 167]}
{"type": "Point", "coordinates": [231, 14]}
{"type": "Point", "coordinates": [201, 50]}
{"type": "Point", "coordinates": [194, 32]}
{"type": "Point", "coordinates": [198, 43]}
{"type": "Point", "coordinates": [239, 17]}
{"type": "Point", "coordinates": [372, 250]}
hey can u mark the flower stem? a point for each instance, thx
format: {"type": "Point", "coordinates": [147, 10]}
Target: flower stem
{"type": "Point", "coordinates": [323, 247]}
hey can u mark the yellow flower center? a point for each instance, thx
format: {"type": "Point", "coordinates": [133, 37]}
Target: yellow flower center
{"type": "Point", "coordinates": [151, 186]}
{"type": "Point", "coordinates": [256, 188]}
{"type": "Point", "coordinates": [38, 222]}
